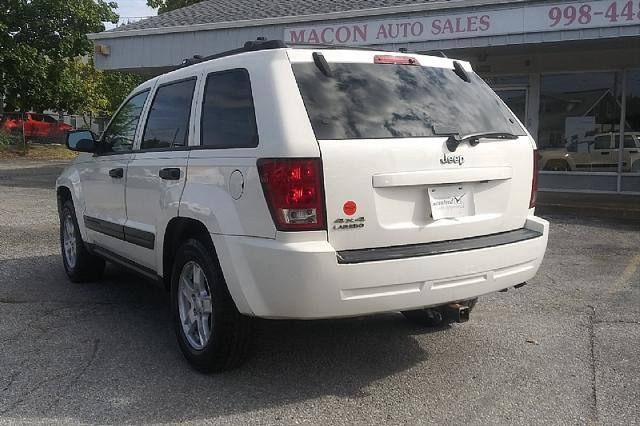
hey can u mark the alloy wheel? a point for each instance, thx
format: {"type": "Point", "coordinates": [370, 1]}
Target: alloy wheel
{"type": "Point", "coordinates": [69, 241]}
{"type": "Point", "coordinates": [194, 305]}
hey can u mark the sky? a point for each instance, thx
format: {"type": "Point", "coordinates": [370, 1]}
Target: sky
{"type": "Point", "coordinates": [133, 10]}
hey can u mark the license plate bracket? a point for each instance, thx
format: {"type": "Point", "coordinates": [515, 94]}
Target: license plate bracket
{"type": "Point", "coordinates": [451, 201]}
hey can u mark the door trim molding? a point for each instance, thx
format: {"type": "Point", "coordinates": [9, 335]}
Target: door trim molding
{"type": "Point", "coordinates": [104, 227]}
{"type": "Point", "coordinates": [125, 233]}
{"type": "Point", "coordinates": [133, 266]}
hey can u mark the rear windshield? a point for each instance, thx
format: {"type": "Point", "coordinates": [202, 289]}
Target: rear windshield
{"type": "Point", "coordinates": [374, 101]}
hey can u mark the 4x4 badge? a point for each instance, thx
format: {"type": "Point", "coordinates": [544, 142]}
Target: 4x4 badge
{"type": "Point", "coordinates": [348, 223]}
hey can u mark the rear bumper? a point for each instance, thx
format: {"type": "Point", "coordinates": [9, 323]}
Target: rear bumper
{"type": "Point", "coordinates": [305, 280]}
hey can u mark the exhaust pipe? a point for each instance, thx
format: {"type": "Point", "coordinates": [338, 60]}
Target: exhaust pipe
{"type": "Point", "coordinates": [504, 290]}
{"type": "Point", "coordinates": [458, 312]}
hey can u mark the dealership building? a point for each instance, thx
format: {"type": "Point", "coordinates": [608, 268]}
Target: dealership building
{"type": "Point", "coordinates": [570, 71]}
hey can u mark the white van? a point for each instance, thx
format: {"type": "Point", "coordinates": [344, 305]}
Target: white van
{"type": "Point", "coordinates": [306, 182]}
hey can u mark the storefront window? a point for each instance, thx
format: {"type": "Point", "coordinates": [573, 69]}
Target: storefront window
{"type": "Point", "coordinates": [516, 100]}
{"type": "Point", "coordinates": [514, 91]}
{"type": "Point", "coordinates": [631, 154]}
{"type": "Point", "coordinates": [580, 121]}
{"type": "Point", "coordinates": [507, 80]}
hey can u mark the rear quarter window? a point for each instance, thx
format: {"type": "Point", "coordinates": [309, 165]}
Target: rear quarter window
{"type": "Point", "coordinates": [228, 112]}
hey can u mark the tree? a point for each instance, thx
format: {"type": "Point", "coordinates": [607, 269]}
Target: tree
{"type": "Point", "coordinates": [169, 5]}
{"type": "Point", "coordinates": [40, 41]}
{"type": "Point", "coordinates": [88, 90]}
{"type": "Point", "coordinates": [111, 88]}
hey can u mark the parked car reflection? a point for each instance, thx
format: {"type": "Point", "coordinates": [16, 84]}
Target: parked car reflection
{"type": "Point", "coordinates": [599, 153]}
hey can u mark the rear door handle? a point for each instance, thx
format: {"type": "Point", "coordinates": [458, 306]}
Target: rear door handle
{"type": "Point", "coordinates": [604, 153]}
{"type": "Point", "coordinates": [117, 173]}
{"type": "Point", "coordinates": [170, 173]}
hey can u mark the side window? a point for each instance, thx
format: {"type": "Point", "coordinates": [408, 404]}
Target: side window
{"type": "Point", "coordinates": [228, 114]}
{"type": "Point", "coordinates": [629, 142]}
{"type": "Point", "coordinates": [168, 122]}
{"type": "Point", "coordinates": [119, 136]}
{"type": "Point", "coordinates": [49, 119]}
{"type": "Point", "coordinates": [603, 142]}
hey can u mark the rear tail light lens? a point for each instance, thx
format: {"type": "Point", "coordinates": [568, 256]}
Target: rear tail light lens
{"type": "Point", "coordinates": [293, 190]}
{"type": "Point", "coordinates": [397, 60]}
{"type": "Point", "coordinates": [534, 181]}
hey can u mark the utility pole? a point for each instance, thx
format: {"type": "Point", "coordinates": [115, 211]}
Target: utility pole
{"type": "Point", "coordinates": [2, 94]}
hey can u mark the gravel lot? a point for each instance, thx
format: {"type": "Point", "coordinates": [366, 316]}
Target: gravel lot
{"type": "Point", "coordinates": [562, 350]}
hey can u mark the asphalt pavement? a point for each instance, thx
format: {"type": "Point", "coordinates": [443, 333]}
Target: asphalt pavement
{"type": "Point", "coordinates": [561, 350]}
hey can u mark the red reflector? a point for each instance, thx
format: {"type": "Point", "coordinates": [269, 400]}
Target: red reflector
{"type": "Point", "coordinates": [293, 190]}
{"type": "Point", "coordinates": [350, 208]}
{"type": "Point", "coordinates": [398, 60]}
{"type": "Point", "coordinates": [534, 181]}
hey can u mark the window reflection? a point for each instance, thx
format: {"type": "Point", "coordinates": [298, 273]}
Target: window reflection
{"type": "Point", "coordinates": [168, 122]}
{"type": "Point", "coordinates": [228, 114]}
{"type": "Point", "coordinates": [579, 121]}
{"type": "Point", "coordinates": [120, 134]}
{"type": "Point", "coordinates": [631, 154]}
{"type": "Point", "coordinates": [369, 101]}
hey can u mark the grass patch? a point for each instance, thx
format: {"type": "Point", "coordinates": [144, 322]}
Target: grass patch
{"type": "Point", "coordinates": [37, 152]}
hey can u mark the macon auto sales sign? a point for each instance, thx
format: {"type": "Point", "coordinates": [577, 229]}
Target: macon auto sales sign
{"type": "Point", "coordinates": [526, 19]}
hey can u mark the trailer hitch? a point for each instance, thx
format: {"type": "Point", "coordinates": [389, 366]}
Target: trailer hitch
{"type": "Point", "coordinates": [458, 312]}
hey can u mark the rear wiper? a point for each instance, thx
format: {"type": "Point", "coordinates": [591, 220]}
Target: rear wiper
{"type": "Point", "coordinates": [455, 140]}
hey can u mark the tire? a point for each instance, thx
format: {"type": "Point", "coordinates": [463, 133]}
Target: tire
{"type": "Point", "coordinates": [435, 316]}
{"type": "Point", "coordinates": [80, 265]}
{"type": "Point", "coordinates": [212, 334]}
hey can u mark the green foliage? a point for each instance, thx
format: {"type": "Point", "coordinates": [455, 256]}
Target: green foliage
{"type": "Point", "coordinates": [114, 87]}
{"type": "Point", "coordinates": [169, 5]}
{"type": "Point", "coordinates": [41, 42]}
{"type": "Point", "coordinates": [5, 139]}
{"type": "Point", "coordinates": [93, 91]}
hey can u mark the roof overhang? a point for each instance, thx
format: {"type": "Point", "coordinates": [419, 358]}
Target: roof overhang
{"type": "Point", "coordinates": [391, 10]}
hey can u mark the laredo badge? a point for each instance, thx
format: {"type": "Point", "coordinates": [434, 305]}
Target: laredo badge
{"type": "Point", "coordinates": [349, 223]}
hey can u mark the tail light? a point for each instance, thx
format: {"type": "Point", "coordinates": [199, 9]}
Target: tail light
{"type": "Point", "coordinates": [534, 181]}
{"type": "Point", "coordinates": [293, 190]}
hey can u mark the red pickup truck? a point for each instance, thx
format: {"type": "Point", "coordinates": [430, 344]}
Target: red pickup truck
{"type": "Point", "coordinates": [37, 127]}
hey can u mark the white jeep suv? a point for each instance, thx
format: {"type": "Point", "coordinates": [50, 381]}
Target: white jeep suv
{"type": "Point", "coordinates": [306, 182]}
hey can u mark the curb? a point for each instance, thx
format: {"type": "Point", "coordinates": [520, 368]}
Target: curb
{"type": "Point", "coordinates": [605, 212]}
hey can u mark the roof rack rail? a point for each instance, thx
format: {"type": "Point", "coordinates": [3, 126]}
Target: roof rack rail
{"type": "Point", "coordinates": [251, 46]}
{"type": "Point", "coordinates": [331, 46]}
{"type": "Point", "coordinates": [261, 43]}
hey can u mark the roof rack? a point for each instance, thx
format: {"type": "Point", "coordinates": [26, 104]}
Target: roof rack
{"type": "Point", "coordinates": [262, 43]}
{"type": "Point", "coordinates": [331, 46]}
{"type": "Point", "coordinates": [251, 46]}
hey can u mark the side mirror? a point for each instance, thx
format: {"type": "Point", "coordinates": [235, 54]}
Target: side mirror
{"type": "Point", "coordinates": [81, 141]}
